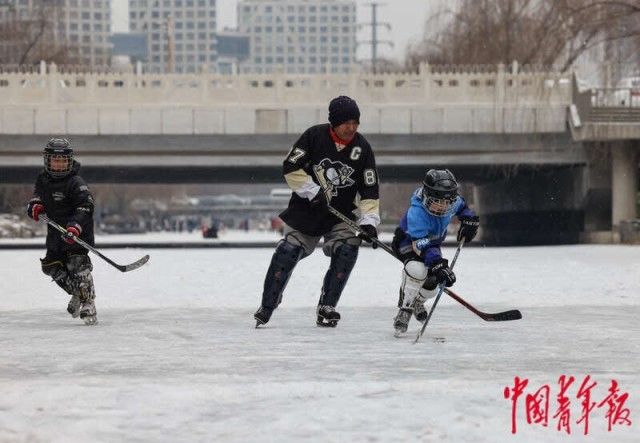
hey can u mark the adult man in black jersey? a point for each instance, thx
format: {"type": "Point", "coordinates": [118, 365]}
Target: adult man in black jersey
{"type": "Point", "coordinates": [349, 168]}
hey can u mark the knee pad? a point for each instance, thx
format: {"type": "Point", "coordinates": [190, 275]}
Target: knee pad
{"type": "Point", "coordinates": [284, 259]}
{"type": "Point", "coordinates": [413, 276]}
{"type": "Point", "coordinates": [416, 270]}
{"type": "Point", "coordinates": [79, 263]}
{"type": "Point", "coordinates": [54, 269]}
{"type": "Point", "coordinates": [287, 254]}
{"type": "Point", "coordinates": [58, 273]}
{"type": "Point", "coordinates": [307, 246]}
{"type": "Point", "coordinates": [343, 260]}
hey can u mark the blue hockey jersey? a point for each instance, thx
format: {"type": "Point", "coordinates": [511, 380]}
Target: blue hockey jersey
{"type": "Point", "coordinates": [426, 230]}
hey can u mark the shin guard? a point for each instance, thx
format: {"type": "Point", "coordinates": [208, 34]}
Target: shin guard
{"type": "Point", "coordinates": [413, 277]}
{"type": "Point", "coordinates": [342, 261]}
{"type": "Point", "coordinates": [282, 263]}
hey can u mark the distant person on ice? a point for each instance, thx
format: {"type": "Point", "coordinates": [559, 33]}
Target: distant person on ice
{"type": "Point", "coordinates": [417, 242]}
{"type": "Point", "coordinates": [349, 169]}
{"type": "Point", "coordinates": [64, 196]}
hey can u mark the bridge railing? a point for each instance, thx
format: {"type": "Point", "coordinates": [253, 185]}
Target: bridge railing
{"type": "Point", "coordinates": [490, 85]}
{"type": "Point", "coordinates": [616, 97]}
{"type": "Point", "coordinates": [606, 105]}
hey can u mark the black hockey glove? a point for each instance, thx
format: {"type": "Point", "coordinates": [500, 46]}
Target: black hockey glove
{"type": "Point", "coordinates": [468, 228]}
{"type": "Point", "coordinates": [368, 232]}
{"type": "Point", "coordinates": [441, 271]}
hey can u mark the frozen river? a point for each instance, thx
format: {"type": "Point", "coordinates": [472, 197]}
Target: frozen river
{"type": "Point", "coordinates": [176, 358]}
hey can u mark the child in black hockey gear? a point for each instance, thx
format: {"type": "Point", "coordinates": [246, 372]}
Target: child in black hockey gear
{"type": "Point", "coordinates": [64, 196]}
{"type": "Point", "coordinates": [349, 168]}
{"type": "Point", "coordinates": [417, 242]}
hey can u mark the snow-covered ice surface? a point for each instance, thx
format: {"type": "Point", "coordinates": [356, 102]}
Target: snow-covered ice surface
{"type": "Point", "coordinates": [176, 358]}
{"type": "Point", "coordinates": [225, 236]}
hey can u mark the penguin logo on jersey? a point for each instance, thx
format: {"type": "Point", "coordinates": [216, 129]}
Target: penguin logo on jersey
{"type": "Point", "coordinates": [337, 175]}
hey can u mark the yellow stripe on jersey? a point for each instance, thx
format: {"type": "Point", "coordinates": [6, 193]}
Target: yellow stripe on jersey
{"type": "Point", "coordinates": [296, 179]}
{"type": "Point", "coordinates": [369, 206]}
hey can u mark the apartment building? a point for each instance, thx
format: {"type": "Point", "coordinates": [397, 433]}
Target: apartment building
{"type": "Point", "coordinates": [181, 34]}
{"type": "Point", "coordinates": [299, 36]}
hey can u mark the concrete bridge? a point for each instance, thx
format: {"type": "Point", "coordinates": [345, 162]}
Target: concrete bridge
{"type": "Point", "coordinates": [540, 151]}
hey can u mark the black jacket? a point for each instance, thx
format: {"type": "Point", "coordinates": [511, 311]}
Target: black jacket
{"type": "Point", "coordinates": [66, 200]}
{"type": "Point", "coordinates": [350, 172]}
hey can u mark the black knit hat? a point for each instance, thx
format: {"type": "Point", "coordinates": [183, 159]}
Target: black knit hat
{"type": "Point", "coordinates": [343, 109]}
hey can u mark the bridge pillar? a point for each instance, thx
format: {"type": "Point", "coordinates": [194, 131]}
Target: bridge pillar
{"type": "Point", "coordinates": [597, 205]}
{"type": "Point", "coordinates": [533, 208]}
{"type": "Point", "coordinates": [624, 182]}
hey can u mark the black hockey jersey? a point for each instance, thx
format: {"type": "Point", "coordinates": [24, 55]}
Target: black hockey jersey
{"type": "Point", "coordinates": [349, 171]}
{"type": "Point", "coordinates": [65, 200]}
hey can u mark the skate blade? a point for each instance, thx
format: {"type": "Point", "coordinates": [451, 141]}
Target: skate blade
{"type": "Point", "coordinates": [328, 324]}
{"type": "Point", "coordinates": [399, 333]}
{"type": "Point", "coordinates": [90, 320]}
{"type": "Point", "coordinates": [259, 322]}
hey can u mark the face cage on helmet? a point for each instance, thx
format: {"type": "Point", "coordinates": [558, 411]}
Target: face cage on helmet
{"type": "Point", "coordinates": [438, 206]}
{"type": "Point", "coordinates": [56, 173]}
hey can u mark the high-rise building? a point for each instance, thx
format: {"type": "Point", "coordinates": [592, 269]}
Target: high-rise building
{"type": "Point", "coordinates": [181, 34]}
{"type": "Point", "coordinates": [131, 46]}
{"type": "Point", "coordinates": [299, 36]}
{"type": "Point", "coordinates": [72, 31]}
{"type": "Point", "coordinates": [233, 49]}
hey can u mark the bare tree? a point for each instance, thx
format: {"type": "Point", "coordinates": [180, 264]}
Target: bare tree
{"type": "Point", "coordinates": [384, 64]}
{"type": "Point", "coordinates": [29, 35]}
{"type": "Point", "coordinates": [545, 32]}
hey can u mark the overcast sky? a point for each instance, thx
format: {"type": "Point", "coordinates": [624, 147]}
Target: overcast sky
{"type": "Point", "coordinates": [406, 18]}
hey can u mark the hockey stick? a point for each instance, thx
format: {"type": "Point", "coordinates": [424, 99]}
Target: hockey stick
{"type": "Point", "coordinates": [513, 314]}
{"type": "Point", "coordinates": [121, 268]}
{"type": "Point", "coordinates": [317, 171]}
{"type": "Point", "coordinates": [440, 291]}
{"type": "Point", "coordinates": [499, 316]}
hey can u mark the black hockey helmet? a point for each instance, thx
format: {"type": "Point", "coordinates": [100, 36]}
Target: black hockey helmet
{"type": "Point", "coordinates": [58, 157]}
{"type": "Point", "coordinates": [439, 191]}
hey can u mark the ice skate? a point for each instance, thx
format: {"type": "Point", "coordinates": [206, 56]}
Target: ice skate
{"type": "Point", "coordinates": [88, 313]}
{"type": "Point", "coordinates": [327, 316]}
{"type": "Point", "coordinates": [401, 322]}
{"type": "Point", "coordinates": [262, 316]}
{"type": "Point", "coordinates": [73, 307]}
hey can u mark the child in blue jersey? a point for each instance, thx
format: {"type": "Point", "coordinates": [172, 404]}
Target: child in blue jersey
{"type": "Point", "coordinates": [417, 242]}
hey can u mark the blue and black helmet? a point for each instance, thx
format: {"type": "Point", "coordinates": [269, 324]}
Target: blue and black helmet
{"type": "Point", "coordinates": [439, 191]}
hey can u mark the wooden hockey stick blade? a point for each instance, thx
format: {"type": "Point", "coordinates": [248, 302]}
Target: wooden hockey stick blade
{"type": "Point", "coordinates": [135, 265]}
{"type": "Point", "coordinates": [513, 314]}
